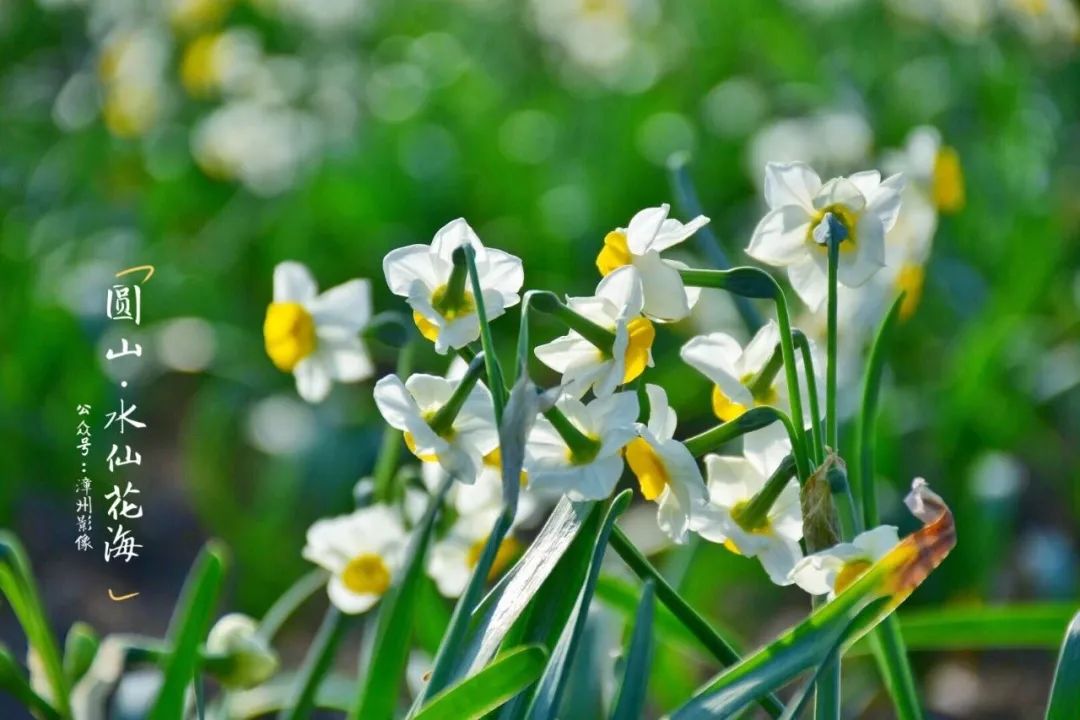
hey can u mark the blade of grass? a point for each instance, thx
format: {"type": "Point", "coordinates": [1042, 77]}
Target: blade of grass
{"type": "Point", "coordinates": [15, 683]}
{"type": "Point", "coordinates": [378, 692]}
{"type": "Point", "coordinates": [18, 586]}
{"type": "Point", "coordinates": [633, 692]}
{"type": "Point", "coordinates": [545, 702]}
{"type": "Point", "coordinates": [1065, 692]}
{"type": "Point", "coordinates": [317, 662]}
{"type": "Point", "coordinates": [474, 697]}
{"type": "Point", "coordinates": [187, 630]}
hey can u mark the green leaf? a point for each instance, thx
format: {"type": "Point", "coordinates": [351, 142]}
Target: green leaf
{"type": "Point", "coordinates": [378, 694]}
{"type": "Point", "coordinates": [988, 627]}
{"type": "Point", "coordinates": [545, 702]}
{"type": "Point", "coordinates": [475, 696]}
{"type": "Point", "coordinates": [18, 586]}
{"type": "Point", "coordinates": [80, 647]}
{"type": "Point", "coordinates": [14, 682]}
{"type": "Point", "coordinates": [1065, 692]}
{"type": "Point", "coordinates": [187, 630]}
{"type": "Point", "coordinates": [290, 601]}
{"type": "Point", "coordinates": [638, 658]}
{"type": "Point", "coordinates": [317, 662]}
{"type": "Point", "coordinates": [622, 596]}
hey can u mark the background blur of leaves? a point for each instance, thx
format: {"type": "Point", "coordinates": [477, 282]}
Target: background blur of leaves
{"type": "Point", "coordinates": [214, 139]}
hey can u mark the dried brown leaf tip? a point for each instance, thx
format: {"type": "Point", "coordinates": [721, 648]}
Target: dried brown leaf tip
{"type": "Point", "coordinates": [917, 555]}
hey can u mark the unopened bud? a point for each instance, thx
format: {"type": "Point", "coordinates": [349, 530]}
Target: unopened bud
{"type": "Point", "coordinates": [241, 657]}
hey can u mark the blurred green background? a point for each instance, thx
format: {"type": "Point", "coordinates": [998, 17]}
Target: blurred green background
{"type": "Point", "coordinates": [214, 139]}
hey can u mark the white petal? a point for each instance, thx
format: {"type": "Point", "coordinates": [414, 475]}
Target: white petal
{"type": "Point", "coordinates": [623, 289]}
{"type": "Point", "coordinates": [790, 184]}
{"type": "Point", "coordinates": [502, 272]}
{"type": "Point", "coordinates": [816, 574]}
{"type": "Point", "coordinates": [778, 559]}
{"type": "Point", "coordinates": [643, 228]}
{"type": "Point", "coordinates": [877, 542]}
{"type": "Point", "coordinates": [453, 235]}
{"type": "Point", "coordinates": [717, 356]}
{"type": "Point", "coordinates": [731, 480]}
{"type": "Point", "coordinates": [457, 334]}
{"type": "Point", "coordinates": [664, 292]}
{"type": "Point", "coordinates": [885, 201]}
{"type": "Point", "coordinates": [429, 392]}
{"type": "Point", "coordinates": [609, 414]}
{"type": "Point", "coordinates": [662, 418]}
{"type": "Point", "coordinates": [347, 305]}
{"type": "Point", "coordinates": [840, 191]}
{"type": "Point", "coordinates": [404, 267]}
{"type": "Point", "coordinates": [867, 182]}
{"type": "Point", "coordinates": [347, 601]}
{"type": "Point", "coordinates": [760, 348]}
{"type": "Point", "coordinates": [568, 351]}
{"type": "Point", "coordinates": [810, 281]}
{"type": "Point", "coordinates": [346, 359]}
{"type": "Point", "coordinates": [293, 282]}
{"type": "Point", "coordinates": [673, 232]}
{"type": "Point", "coordinates": [767, 447]}
{"type": "Point", "coordinates": [781, 237]}
{"type": "Point", "coordinates": [395, 404]}
{"type": "Point", "coordinates": [448, 567]}
{"type": "Point", "coordinates": [869, 256]}
{"type": "Point", "coordinates": [312, 379]}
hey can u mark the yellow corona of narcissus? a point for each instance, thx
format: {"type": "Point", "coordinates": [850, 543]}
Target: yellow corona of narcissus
{"type": "Point", "coordinates": [314, 336]}
{"type": "Point", "coordinates": [666, 471]}
{"type": "Point", "coordinates": [446, 316]}
{"type": "Point", "coordinates": [791, 234]}
{"type": "Point", "coordinates": [454, 557]}
{"type": "Point", "coordinates": [650, 232]}
{"type": "Point", "coordinates": [616, 308]}
{"type": "Point", "coordinates": [363, 552]}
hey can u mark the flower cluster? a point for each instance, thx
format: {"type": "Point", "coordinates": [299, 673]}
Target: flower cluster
{"type": "Point", "coordinates": [603, 420]}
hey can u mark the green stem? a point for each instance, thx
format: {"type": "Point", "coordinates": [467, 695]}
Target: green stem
{"type": "Point", "coordinates": [582, 447]}
{"type": "Point", "coordinates": [290, 601]}
{"type": "Point", "coordinates": [390, 445]}
{"type": "Point", "coordinates": [602, 338]}
{"type": "Point", "coordinates": [454, 295]}
{"type": "Point", "coordinates": [755, 513]}
{"type": "Point", "coordinates": [831, 431]}
{"type": "Point", "coordinates": [753, 419]}
{"type": "Point", "coordinates": [687, 615]}
{"type": "Point", "coordinates": [760, 384]}
{"type": "Point", "coordinates": [818, 438]}
{"type": "Point", "coordinates": [491, 360]}
{"type": "Point", "coordinates": [316, 664]}
{"type": "Point", "coordinates": [443, 421]}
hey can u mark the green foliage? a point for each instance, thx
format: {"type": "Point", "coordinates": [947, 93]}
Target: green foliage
{"type": "Point", "coordinates": [1065, 693]}
{"type": "Point", "coordinates": [475, 696]}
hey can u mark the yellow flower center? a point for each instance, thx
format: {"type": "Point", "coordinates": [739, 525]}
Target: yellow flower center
{"type": "Point", "coordinates": [130, 109]}
{"type": "Point", "coordinates": [366, 574]}
{"type": "Point", "coordinates": [614, 254]}
{"type": "Point", "coordinates": [410, 441]}
{"type": "Point", "coordinates": [910, 281]}
{"type": "Point", "coordinates": [289, 332]}
{"type": "Point", "coordinates": [851, 572]}
{"type": "Point", "coordinates": [508, 550]}
{"type": "Point", "coordinates": [429, 329]}
{"type": "Point", "coordinates": [647, 466]}
{"type": "Point", "coordinates": [193, 14]}
{"type": "Point", "coordinates": [764, 527]}
{"type": "Point", "coordinates": [494, 459]}
{"type": "Point", "coordinates": [845, 216]}
{"type": "Point", "coordinates": [642, 333]}
{"type": "Point", "coordinates": [198, 68]}
{"type": "Point", "coordinates": [947, 187]}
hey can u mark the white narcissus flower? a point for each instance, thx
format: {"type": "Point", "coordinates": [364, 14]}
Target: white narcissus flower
{"type": "Point", "coordinates": [733, 482]}
{"type": "Point", "coordinates": [616, 307]}
{"type": "Point", "coordinates": [665, 469]}
{"type": "Point", "coordinates": [486, 492]}
{"type": "Point", "coordinates": [316, 336]}
{"type": "Point", "coordinates": [733, 370]}
{"type": "Point", "coordinates": [831, 571]}
{"type": "Point", "coordinates": [553, 467]}
{"type": "Point", "coordinates": [363, 551]}
{"type": "Point", "coordinates": [421, 274]}
{"type": "Point", "coordinates": [649, 233]}
{"type": "Point", "coordinates": [933, 168]}
{"type": "Point", "coordinates": [790, 235]}
{"type": "Point", "coordinates": [411, 407]}
{"type": "Point", "coordinates": [454, 557]}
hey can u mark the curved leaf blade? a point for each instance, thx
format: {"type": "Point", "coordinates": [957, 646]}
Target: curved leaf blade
{"type": "Point", "coordinates": [479, 694]}
{"type": "Point", "coordinates": [632, 694]}
{"type": "Point", "coordinates": [1065, 692]}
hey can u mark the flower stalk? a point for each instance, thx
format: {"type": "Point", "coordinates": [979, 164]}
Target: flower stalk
{"type": "Point", "coordinates": [443, 420]}
{"type": "Point", "coordinates": [755, 513]}
{"type": "Point", "coordinates": [549, 303]}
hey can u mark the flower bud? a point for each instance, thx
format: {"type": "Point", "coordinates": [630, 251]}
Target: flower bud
{"type": "Point", "coordinates": [821, 526]}
{"type": "Point", "coordinates": [237, 655]}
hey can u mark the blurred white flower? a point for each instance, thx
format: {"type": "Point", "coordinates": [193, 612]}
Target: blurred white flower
{"type": "Point", "coordinates": [362, 550]}
{"type": "Point", "coordinates": [773, 539]}
{"type": "Point", "coordinates": [422, 273]}
{"type": "Point", "coordinates": [666, 471]}
{"type": "Point", "coordinates": [931, 168]}
{"type": "Point", "coordinates": [454, 557]}
{"type": "Point", "coordinates": [649, 233]}
{"type": "Point", "coordinates": [833, 141]}
{"type": "Point", "coordinates": [413, 405]}
{"type": "Point", "coordinates": [616, 308]}
{"type": "Point", "coordinates": [607, 424]}
{"type": "Point", "coordinates": [794, 233]}
{"type": "Point", "coordinates": [831, 571]}
{"type": "Point", "coordinates": [316, 336]}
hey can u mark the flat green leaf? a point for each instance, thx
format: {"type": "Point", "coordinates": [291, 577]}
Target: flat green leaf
{"type": "Point", "coordinates": [1065, 693]}
{"type": "Point", "coordinates": [18, 586]}
{"type": "Point", "coordinates": [622, 596]}
{"type": "Point", "coordinates": [479, 694]}
{"type": "Point", "coordinates": [80, 646]}
{"type": "Point", "coordinates": [307, 685]}
{"type": "Point", "coordinates": [638, 659]}
{"type": "Point", "coordinates": [1004, 626]}
{"type": "Point", "coordinates": [378, 695]}
{"type": "Point", "coordinates": [187, 630]}
{"type": "Point", "coordinates": [545, 702]}
{"type": "Point", "coordinates": [14, 682]}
